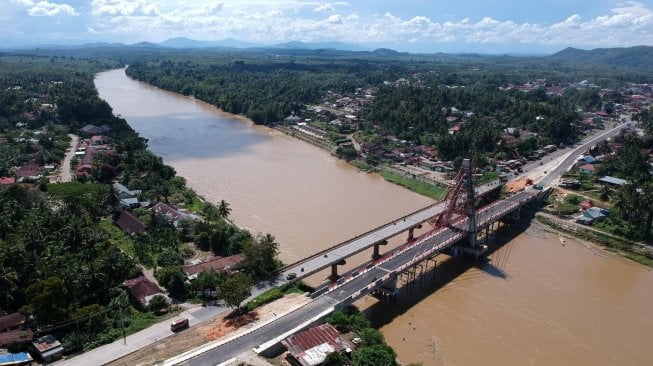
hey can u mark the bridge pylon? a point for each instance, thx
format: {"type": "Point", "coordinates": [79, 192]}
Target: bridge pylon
{"type": "Point", "coordinates": [470, 203]}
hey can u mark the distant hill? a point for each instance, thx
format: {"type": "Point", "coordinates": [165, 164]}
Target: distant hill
{"type": "Point", "coordinates": [638, 57]}
{"type": "Point", "coordinates": [386, 52]}
{"type": "Point", "coordinates": [319, 45]}
{"type": "Point", "coordinates": [144, 45]}
{"type": "Point", "coordinates": [183, 42]}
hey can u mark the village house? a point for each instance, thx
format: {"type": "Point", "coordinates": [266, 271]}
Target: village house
{"type": "Point", "coordinates": [586, 205]}
{"type": "Point", "coordinates": [142, 290]}
{"type": "Point", "coordinates": [587, 169]}
{"type": "Point", "coordinates": [311, 347]}
{"type": "Point", "coordinates": [100, 140]}
{"type": "Point", "coordinates": [124, 192]}
{"type": "Point", "coordinates": [219, 264]}
{"type": "Point", "coordinates": [13, 330]}
{"type": "Point", "coordinates": [127, 197]}
{"type": "Point", "coordinates": [130, 223]}
{"type": "Point", "coordinates": [5, 181]}
{"type": "Point", "coordinates": [592, 215]}
{"type": "Point", "coordinates": [47, 349]}
{"type": "Point", "coordinates": [29, 171]}
{"type": "Point", "coordinates": [174, 215]}
{"type": "Point", "coordinates": [372, 148]}
{"type": "Point", "coordinates": [91, 129]}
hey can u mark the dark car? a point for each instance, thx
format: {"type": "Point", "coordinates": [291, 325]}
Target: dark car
{"type": "Point", "coordinates": [291, 276]}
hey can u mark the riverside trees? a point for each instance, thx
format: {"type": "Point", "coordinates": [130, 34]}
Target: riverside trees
{"type": "Point", "coordinates": [59, 260]}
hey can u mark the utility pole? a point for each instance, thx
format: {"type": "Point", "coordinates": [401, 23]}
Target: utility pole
{"type": "Point", "coordinates": [122, 325]}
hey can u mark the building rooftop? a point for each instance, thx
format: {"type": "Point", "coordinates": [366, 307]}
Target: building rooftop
{"type": "Point", "coordinates": [613, 180]}
{"type": "Point", "coordinates": [130, 223]}
{"type": "Point", "coordinates": [311, 346]}
{"type": "Point", "coordinates": [141, 288]}
{"type": "Point", "coordinates": [11, 321]}
{"type": "Point", "coordinates": [217, 263]}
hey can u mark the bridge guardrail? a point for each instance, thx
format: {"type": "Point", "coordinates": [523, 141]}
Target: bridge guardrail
{"type": "Point", "coordinates": [348, 241]}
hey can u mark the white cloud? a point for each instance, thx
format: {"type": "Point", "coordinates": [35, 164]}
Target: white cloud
{"type": "Point", "coordinates": [325, 7]}
{"type": "Point", "coordinates": [335, 19]}
{"type": "Point", "coordinates": [124, 7]}
{"type": "Point", "coordinates": [627, 23]}
{"type": "Point", "coordinates": [213, 9]}
{"type": "Point", "coordinates": [46, 8]}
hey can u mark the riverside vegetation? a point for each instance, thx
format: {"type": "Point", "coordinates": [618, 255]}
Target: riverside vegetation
{"type": "Point", "coordinates": [62, 261]}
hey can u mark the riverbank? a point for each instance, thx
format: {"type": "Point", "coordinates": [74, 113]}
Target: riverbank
{"type": "Point", "coordinates": [634, 251]}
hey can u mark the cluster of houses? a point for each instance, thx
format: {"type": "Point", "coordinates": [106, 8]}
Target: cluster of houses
{"type": "Point", "coordinates": [15, 330]}
{"type": "Point", "coordinates": [97, 143]}
{"type": "Point", "coordinates": [339, 110]}
{"type": "Point", "coordinates": [141, 289]}
{"type": "Point", "coordinates": [591, 213]}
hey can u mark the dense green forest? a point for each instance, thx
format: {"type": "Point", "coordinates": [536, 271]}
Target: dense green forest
{"type": "Point", "coordinates": [62, 260]}
{"type": "Point", "coordinates": [267, 90]}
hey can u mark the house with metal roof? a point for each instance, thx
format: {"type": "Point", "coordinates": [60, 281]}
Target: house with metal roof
{"type": "Point", "coordinates": [47, 349]}
{"type": "Point", "coordinates": [311, 347]}
{"type": "Point", "coordinates": [612, 181]}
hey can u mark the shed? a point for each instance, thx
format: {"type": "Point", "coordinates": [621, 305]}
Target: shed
{"type": "Point", "coordinates": [15, 359]}
{"type": "Point", "coordinates": [48, 349]}
{"type": "Point", "coordinates": [613, 181]}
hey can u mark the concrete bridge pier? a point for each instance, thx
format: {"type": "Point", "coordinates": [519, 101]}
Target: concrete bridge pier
{"type": "Point", "coordinates": [435, 268]}
{"type": "Point", "coordinates": [387, 292]}
{"type": "Point", "coordinates": [376, 255]}
{"type": "Point", "coordinates": [411, 232]}
{"type": "Point", "coordinates": [334, 269]}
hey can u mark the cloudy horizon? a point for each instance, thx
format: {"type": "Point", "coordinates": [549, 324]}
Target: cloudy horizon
{"type": "Point", "coordinates": [502, 26]}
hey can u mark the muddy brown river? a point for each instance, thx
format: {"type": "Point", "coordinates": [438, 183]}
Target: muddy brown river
{"type": "Point", "coordinates": [536, 302]}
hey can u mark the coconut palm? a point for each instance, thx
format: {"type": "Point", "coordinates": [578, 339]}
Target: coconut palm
{"type": "Point", "coordinates": [223, 209]}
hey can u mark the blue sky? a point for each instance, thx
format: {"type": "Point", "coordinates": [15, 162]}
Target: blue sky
{"type": "Point", "coordinates": [484, 26]}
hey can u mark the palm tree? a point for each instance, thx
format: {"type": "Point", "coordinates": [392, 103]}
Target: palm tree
{"type": "Point", "coordinates": [223, 209]}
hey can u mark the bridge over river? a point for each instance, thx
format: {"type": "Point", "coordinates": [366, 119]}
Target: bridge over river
{"type": "Point", "coordinates": [381, 272]}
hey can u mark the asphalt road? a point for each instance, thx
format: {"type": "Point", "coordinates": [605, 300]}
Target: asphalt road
{"type": "Point", "coordinates": [117, 349]}
{"type": "Point", "coordinates": [355, 286]}
{"type": "Point", "coordinates": [263, 334]}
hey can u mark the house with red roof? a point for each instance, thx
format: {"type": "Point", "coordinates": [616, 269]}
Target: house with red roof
{"type": "Point", "coordinates": [5, 181]}
{"type": "Point", "coordinates": [587, 169]}
{"type": "Point", "coordinates": [130, 223]}
{"type": "Point", "coordinates": [30, 171]}
{"type": "Point", "coordinates": [217, 263]}
{"type": "Point", "coordinates": [142, 290]}
{"type": "Point", "coordinates": [311, 347]}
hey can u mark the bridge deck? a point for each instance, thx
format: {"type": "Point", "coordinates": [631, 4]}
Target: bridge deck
{"type": "Point", "coordinates": [362, 280]}
{"type": "Point", "coordinates": [365, 241]}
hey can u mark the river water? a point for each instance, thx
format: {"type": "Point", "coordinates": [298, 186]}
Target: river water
{"type": "Point", "coordinates": [537, 301]}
